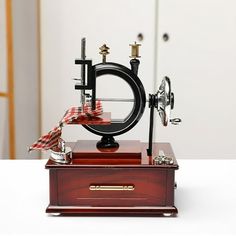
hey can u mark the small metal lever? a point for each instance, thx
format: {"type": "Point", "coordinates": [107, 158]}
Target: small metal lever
{"type": "Point", "coordinates": [175, 121]}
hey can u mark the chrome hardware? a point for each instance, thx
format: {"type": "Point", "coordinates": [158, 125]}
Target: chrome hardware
{"type": "Point", "coordinates": [111, 187]}
{"type": "Point", "coordinates": [165, 102]}
{"type": "Point", "coordinates": [167, 214]}
{"type": "Point", "coordinates": [115, 99]}
{"type": "Point", "coordinates": [161, 153]}
{"type": "Point", "coordinates": [62, 155]}
{"type": "Point", "coordinates": [88, 98]}
{"type": "Point", "coordinates": [169, 161]}
{"type": "Point", "coordinates": [161, 159]}
{"type": "Point", "coordinates": [175, 121]}
{"type": "Point", "coordinates": [55, 214]}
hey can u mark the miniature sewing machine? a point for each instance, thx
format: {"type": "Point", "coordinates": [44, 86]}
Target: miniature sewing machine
{"type": "Point", "coordinates": [110, 176]}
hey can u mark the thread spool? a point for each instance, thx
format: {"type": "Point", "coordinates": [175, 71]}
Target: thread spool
{"type": "Point", "coordinates": [135, 50]}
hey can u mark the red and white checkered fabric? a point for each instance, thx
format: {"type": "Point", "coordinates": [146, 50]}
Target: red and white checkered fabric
{"type": "Point", "coordinates": [51, 139]}
{"type": "Point", "coordinates": [47, 141]}
{"type": "Point", "coordinates": [75, 113]}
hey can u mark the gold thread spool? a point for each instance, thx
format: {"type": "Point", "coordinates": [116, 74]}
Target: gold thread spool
{"type": "Point", "coordinates": [135, 50]}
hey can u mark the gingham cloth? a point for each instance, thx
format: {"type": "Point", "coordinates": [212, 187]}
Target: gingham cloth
{"type": "Point", "coordinates": [50, 140]}
{"type": "Point", "coordinates": [75, 113]}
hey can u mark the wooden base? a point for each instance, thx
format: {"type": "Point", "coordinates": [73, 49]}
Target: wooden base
{"type": "Point", "coordinates": [113, 211]}
{"type": "Point", "coordinates": [100, 186]}
{"type": "Point", "coordinates": [87, 150]}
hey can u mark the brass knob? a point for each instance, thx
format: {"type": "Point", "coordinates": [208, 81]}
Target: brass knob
{"type": "Point", "coordinates": [135, 50]}
{"type": "Point", "coordinates": [104, 52]}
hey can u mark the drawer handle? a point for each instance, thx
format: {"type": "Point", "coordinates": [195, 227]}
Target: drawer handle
{"type": "Point", "coordinates": [111, 187]}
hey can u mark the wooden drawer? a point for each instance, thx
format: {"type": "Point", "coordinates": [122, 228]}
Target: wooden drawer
{"type": "Point", "coordinates": [140, 188]}
{"type": "Point", "coordinates": [80, 187]}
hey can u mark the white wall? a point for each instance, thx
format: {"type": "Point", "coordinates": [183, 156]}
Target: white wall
{"type": "Point", "coordinates": [26, 74]}
{"type": "Point", "coordinates": [200, 58]}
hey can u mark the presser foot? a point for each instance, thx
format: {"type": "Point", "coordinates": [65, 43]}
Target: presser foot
{"type": "Point", "coordinates": [61, 157]}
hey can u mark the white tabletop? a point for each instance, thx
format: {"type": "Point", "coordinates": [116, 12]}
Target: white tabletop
{"type": "Point", "coordinates": [205, 198]}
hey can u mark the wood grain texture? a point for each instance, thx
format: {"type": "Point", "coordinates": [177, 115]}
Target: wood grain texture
{"type": "Point", "coordinates": [53, 187]}
{"type": "Point", "coordinates": [153, 192]}
{"type": "Point", "coordinates": [73, 187]}
{"type": "Point", "coordinates": [113, 211]}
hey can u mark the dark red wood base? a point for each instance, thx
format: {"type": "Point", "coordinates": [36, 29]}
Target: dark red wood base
{"type": "Point", "coordinates": [118, 186]}
{"type": "Point", "coordinates": [113, 211]}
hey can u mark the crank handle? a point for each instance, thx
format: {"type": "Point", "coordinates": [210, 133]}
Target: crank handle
{"type": "Point", "coordinates": [175, 121]}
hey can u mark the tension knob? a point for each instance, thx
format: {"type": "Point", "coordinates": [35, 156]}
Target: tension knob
{"type": "Point", "coordinates": [104, 52]}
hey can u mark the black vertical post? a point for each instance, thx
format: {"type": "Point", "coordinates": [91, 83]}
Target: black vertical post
{"type": "Point", "coordinates": [151, 105]}
{"type": "Point", "coordinates": [134, 65]}
{"type": "Point", "coordinates": [93, 101]}
{"type": "Point", "coordinates": [83, 56]}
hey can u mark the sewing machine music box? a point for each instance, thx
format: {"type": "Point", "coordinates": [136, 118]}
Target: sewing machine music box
{"type": "Point", "coordinates": [111, 176]}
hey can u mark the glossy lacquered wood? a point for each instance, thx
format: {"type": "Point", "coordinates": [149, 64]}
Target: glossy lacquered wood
{"type": "Point", "coordinates": [114, 211]}
{"type": "Point", "coordinates": [87, 149]}
{"type": "Point", "coordinates": [152, 193]}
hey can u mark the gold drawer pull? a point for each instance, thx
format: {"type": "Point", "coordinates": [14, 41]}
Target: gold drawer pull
{"type": "Point", "coordinates": [111, 187]}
